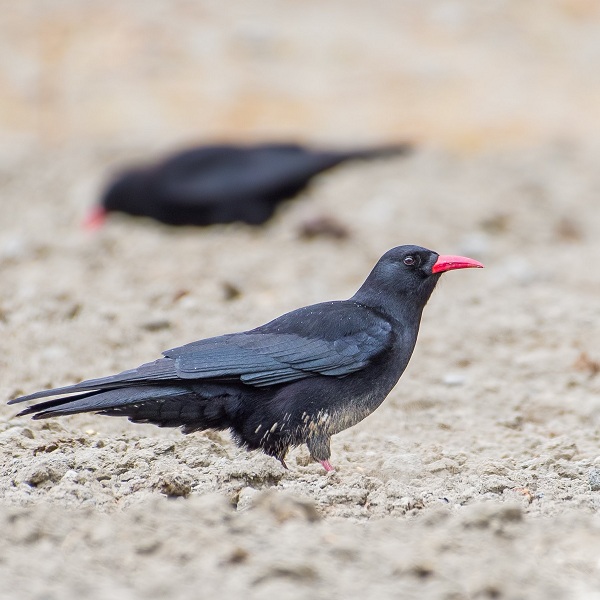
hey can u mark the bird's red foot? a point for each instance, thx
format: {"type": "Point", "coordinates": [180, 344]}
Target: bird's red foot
{"type": "Point", "coordinates": [327, 465]}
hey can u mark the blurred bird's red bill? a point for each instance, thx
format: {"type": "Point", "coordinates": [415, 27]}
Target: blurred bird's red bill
{"type": "Point", "coordinates": [95, 219]}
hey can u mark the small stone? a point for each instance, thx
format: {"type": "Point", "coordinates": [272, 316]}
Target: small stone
{"type": "Point", "coordinates": [407, 503]}
{"type": "Point", "coordinates": [444, 464]}
{"type": "Point", "coordinates": [453, 379]}
{"type": "Point", "coordinates": [175, 484]}
{"type": "Point", "coordinates": [14, 249]}
{"type": "Point", "coordinates": [491, 515]}
{"type": "Point", "coordinates": [156, 325]}
{"type": "Point", "coordinates": [294, 571]}
{"type": "Point", "coordinates": [594, 479]}
{"type": "Point", "coordinates": [71, 475]}
{"type": "Point", "coordinates": [41, 471]}
{"type": "Point", "coordinates": [147, 545]}
{"type": "Point", "coordinates": [284, 506]}
{"type": "Point", "coordinates": [231, 290]}
{"type": "Point", "coordinates": [237, 556]}
{"type": "Point", "coordinates": [246, 498]}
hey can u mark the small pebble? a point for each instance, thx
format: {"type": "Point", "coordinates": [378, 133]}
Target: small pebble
{"type": "Point", "coordinates": [453, 379]}
{"type": "Point", "coordinates": [594, 479]}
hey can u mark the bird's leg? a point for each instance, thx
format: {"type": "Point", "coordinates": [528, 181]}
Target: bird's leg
{"type": "Point", "coordinates": [282, 461]}
{"type": "Point", "coordinates": [318, 446]}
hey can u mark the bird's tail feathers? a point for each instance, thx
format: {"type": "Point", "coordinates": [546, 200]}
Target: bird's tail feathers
{"type": "Point", "coordinates": [162, 405]}
{"type": "Point", "coordinates": [384, 151]}
{"type": "Point", "coordinates": [101, 400]}
{"type": "Point", "coordinates": [162, 369]}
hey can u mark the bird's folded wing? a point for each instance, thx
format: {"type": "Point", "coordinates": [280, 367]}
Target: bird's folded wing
{"type": "Point", "coordinates": [262, 359]}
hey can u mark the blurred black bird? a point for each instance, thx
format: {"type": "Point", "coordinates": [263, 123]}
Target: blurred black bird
{"type": "Point", "coordinates": [223, 183]}
{"type": "Point", "coordinates": [299, 379]}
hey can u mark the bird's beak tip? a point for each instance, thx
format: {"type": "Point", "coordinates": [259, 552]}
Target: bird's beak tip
{"type": "Point", "coordinates": [450, 263]}
{"type": "Point", "coordinates": [95, 218]}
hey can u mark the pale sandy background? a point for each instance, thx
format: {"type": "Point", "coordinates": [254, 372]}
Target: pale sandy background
{"type": "Point", "coordinates": [479, 477]}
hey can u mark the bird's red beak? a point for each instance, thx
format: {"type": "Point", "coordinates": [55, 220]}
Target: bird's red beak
{"type": "Point", "coordinates": [95, 218]}
{"type": "Point", "coordinates": [449, 263]}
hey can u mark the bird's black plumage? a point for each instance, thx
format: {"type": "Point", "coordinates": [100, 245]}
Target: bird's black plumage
{"type": "Point", "coordinates": [225, 183]}
{"type": "Point", "coordinates": [300, 378]}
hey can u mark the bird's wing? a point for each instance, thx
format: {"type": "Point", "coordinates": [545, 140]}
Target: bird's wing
{"type": "Point", "coordinates": [288, 349]}
{"type": "Point", "coordinates": [333, 339]}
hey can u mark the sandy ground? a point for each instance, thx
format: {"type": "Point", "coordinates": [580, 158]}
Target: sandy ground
{"type": "Point", "coordinates": [479, 477]}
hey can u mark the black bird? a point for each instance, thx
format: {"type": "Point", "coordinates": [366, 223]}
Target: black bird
{"type": "Point", "coordinates": [299, 379]}
{"type": "Point", "coordinates": [223, 183]}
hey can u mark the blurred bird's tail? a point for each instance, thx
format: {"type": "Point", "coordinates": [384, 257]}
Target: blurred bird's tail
{"type": "Point", "coordinates": [385, 151]}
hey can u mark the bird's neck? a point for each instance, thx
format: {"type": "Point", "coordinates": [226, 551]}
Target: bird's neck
{"type": "Point", "coordinates": [402, 309]}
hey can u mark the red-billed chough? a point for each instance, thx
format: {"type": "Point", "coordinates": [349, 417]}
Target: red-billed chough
{"type": "Point", "coordinates": [223, 183]}
{"type": "Point", "coordinates": [299, 379]}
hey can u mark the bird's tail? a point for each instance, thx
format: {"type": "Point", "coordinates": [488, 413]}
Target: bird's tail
{"type": "Point", "coordinates": [161, 370]}
{"type": "Point", "coordinates": [384, 151]}
{"type": "Point", "coordinates": [162, 405]}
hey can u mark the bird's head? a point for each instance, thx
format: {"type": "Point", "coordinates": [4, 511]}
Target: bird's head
{"type": "Point", "coordinates": [125, 193]}
{"type": "Point", "coordinates": [406, 276]}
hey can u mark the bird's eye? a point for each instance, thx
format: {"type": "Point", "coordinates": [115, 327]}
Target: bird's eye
{"type": "Point", "coordinates": [409, 261]}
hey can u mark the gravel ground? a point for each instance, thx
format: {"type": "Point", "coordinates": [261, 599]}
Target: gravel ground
{"type": "Point", "coordinates": [479, 477]}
